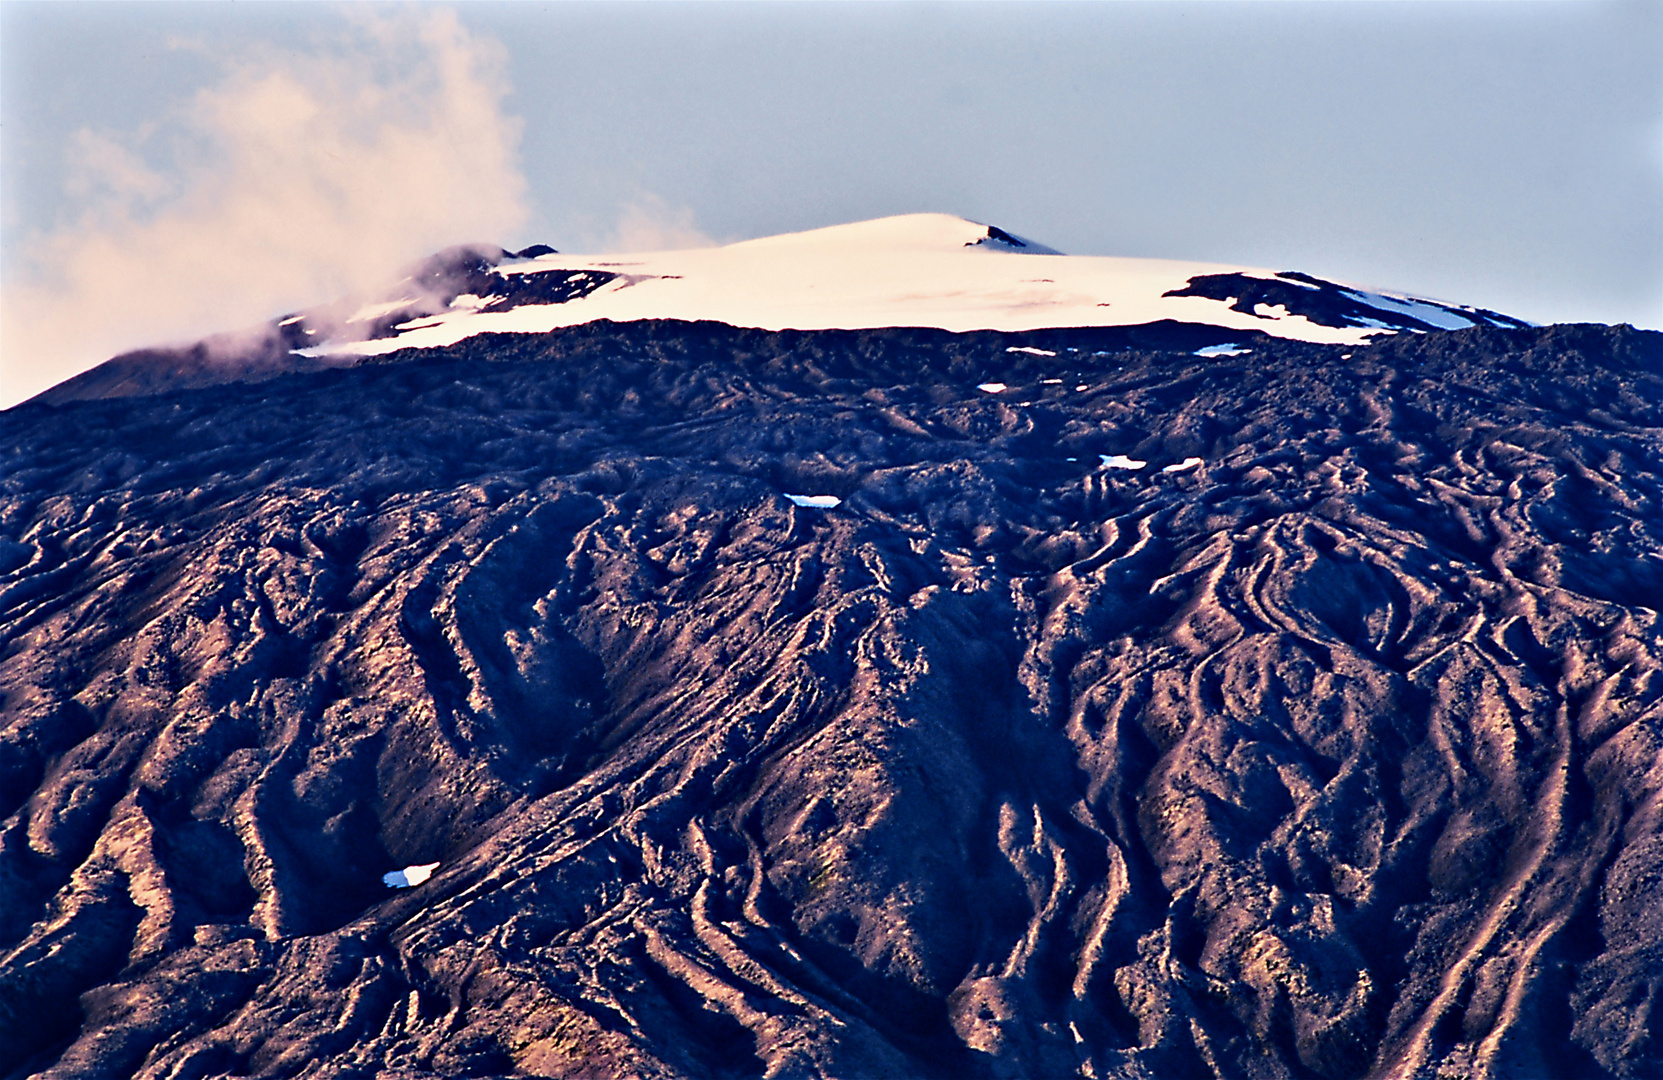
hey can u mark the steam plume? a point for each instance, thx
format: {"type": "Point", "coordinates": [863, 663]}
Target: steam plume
{"type": "Point", "coordinates": [291, 181]}
{"type": "Point", "coordinates": [649, 223]}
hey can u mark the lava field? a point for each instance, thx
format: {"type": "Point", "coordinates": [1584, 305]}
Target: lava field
{"type": "Point", "coordinates": [1337, 752]}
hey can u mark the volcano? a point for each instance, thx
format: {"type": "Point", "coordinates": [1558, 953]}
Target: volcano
{"type": "Point", "coordinates": [893, 650]}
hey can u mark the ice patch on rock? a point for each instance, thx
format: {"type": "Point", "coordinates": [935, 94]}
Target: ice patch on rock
{"type": "Point", "coordinates": [1432, 315]}
{"type": "Point", "coordinates": [370, 312]}
{"type": "Point", "coordinates": [410, 875]}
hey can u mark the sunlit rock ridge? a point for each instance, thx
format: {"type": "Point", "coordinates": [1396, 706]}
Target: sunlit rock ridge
{"type": "Point", "coordinates": [1211, 684]}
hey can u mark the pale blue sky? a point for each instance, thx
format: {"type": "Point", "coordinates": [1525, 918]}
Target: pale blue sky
{"type": "Point", "coordinates": [1497, 153]}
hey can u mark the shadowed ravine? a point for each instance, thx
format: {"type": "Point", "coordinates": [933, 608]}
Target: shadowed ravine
{"type": "Point", "coordinates": [1337, 755]}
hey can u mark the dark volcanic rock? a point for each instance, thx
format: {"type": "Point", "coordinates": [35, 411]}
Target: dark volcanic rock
{"type": "Point", "coordinates": [144, 372]}
{"type": "Point", "coordinates": [1337, 754]}
{"type": "Point", "coordinates": [1328, 304]}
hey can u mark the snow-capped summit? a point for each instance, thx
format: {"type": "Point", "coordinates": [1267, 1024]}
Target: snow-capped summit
{"type": "Point", "coordinates": [912, 271]}
{"type": "Point", "coordinates": [921, 270]}
{"type": "Point", "coordinates": [904, 233]}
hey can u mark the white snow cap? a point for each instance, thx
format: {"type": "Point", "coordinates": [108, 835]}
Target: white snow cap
{"type": "Point", "coordinates": [410, 875]}
{"type": "Point", "coordinates": [917, 270]}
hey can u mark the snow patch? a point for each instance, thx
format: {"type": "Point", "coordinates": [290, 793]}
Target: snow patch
{"type": "Point", "coordinates": [1121, 461]}
{"type": "Point", "coordinates": [1222, 350]}
{"type": "Point", "coordinates": [817, 502]}
{"type": "Point", "coordinates": [1183, 466]}
{"type": "Point", "coordinates": [992, 387]}
{"type": "Point", "coordinates": [1030, 350]}
{"type": "Point", "coordinates": [375, 311]}
{"type": "Point", "coordinates": [409, 876]}
{"type": "Point", "coordinates": [1430, 314]}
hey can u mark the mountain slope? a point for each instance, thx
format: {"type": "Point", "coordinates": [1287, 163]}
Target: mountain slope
{"type": "Point", "coordinates": [1323, 743]}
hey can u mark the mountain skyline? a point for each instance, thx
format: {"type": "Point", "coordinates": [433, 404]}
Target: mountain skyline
{"type": "Point", "coordinates": [917, 271]}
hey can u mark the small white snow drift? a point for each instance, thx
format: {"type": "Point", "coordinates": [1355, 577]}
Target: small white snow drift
{"type": "Point", "coordinates": [409, 876]}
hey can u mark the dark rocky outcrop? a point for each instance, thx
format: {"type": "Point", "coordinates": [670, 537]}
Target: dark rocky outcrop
{"type": "Point", "coordinates": [1328, 304]}
{"type": "Point", "coordinates": [281, 347]}
{"type": "Point", "coordinates": [1339, 754]}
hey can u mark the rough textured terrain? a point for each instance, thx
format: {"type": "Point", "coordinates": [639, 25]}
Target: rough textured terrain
{"type": "Point", "coordinates": [1338, 754]}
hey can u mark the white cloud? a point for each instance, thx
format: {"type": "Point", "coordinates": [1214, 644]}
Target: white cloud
{"type": "Point", "coordinates": [293, 180]}
{"type": "Point", "coordinates": [103, 168]}
{"type": "Point", "coordinates": [648, 223]}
